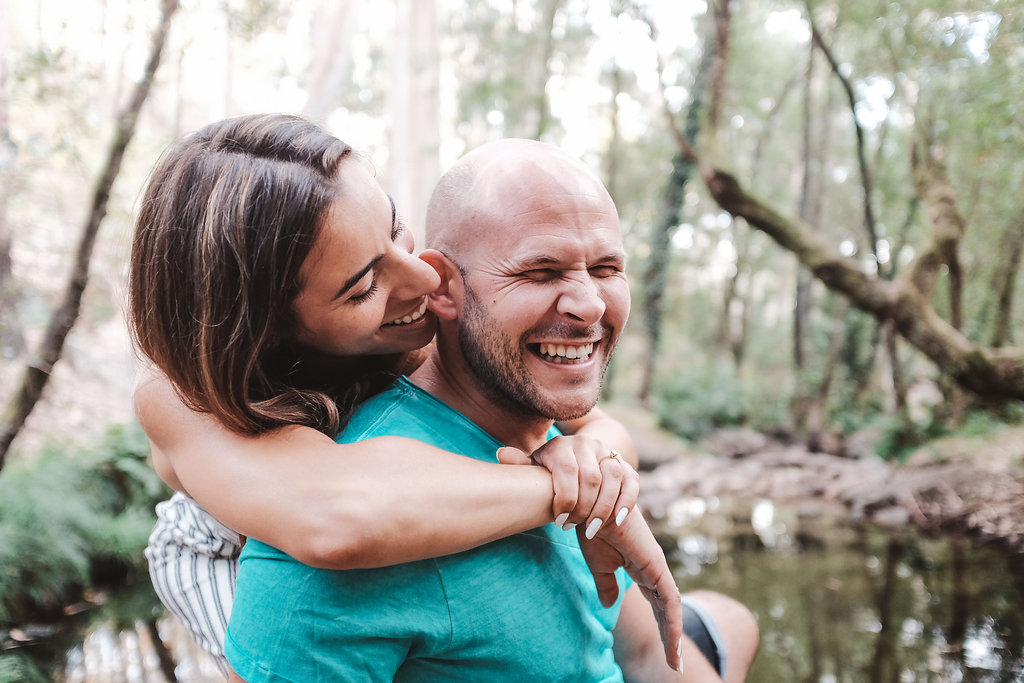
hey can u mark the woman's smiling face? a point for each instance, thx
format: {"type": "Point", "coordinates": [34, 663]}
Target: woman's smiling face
{"type": "Point", "coordinates": [363, 291]}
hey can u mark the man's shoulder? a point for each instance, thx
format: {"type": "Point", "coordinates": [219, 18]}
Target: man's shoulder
{"type": "Point", "coordinates": [405, 409]}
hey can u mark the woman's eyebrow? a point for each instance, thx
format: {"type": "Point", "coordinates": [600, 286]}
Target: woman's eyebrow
{"type": "Point", "coordinates": [351, 282]}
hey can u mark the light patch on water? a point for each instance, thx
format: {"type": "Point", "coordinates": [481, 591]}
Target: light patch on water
{"type": "Point", "coordinates": [130, 656]}
{"type": "Point", "coordinates": [685, 512]}
{"type": "Point", "coordinates": [981, 648]}
{"type": "Point", "coordinates": [911, 632]}
{"type": "Point", "coordinates": [695, 551]}
{"type": "Point", "coordinates": [772, 533]}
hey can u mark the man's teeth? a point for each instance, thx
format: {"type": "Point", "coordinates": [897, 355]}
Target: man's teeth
{"type": "Point", "coordinates": [567, 351]}
{"type": "Point", "coordinates": [412, 317]}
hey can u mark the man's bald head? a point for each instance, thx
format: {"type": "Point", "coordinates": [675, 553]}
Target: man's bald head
{"type": "Point", "coordinates": [494, 181]}
{"type": "Point", "coordinates": [533, 291]}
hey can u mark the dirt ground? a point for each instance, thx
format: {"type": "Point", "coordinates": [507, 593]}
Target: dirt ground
{"type": "Point", "coordinates": [973, 487]}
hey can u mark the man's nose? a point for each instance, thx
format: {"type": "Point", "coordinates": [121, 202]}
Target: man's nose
{"type": "Point", "coordinates": [581, 300]}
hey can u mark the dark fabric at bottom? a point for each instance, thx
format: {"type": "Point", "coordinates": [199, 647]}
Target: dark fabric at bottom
{"type": "Point", "coordinates": [695, 629]}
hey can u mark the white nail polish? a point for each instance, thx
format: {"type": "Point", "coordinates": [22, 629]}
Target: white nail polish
{"type": "Point", "coordinates": [621, 516]}
{"type": "Point", "coordinates": [560, 519]}
{"type": "Point", "coordinates": [594, 527]}
{"type": "Point", "coordinates": [679, 653]}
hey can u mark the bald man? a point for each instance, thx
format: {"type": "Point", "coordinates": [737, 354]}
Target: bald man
{"type": "Point", "coordinates": [533, 297]}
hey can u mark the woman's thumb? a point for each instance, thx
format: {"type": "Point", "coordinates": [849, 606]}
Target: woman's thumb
{"type": "Point", "coordinates": [510, 455]}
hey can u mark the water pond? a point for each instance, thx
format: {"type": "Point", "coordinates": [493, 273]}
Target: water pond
{"type": "Point", "coordinates": [837, 602]}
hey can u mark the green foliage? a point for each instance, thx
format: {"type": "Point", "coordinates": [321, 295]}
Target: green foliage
{"type": "Point", "coordinates": [66, 514]}
{"type": "Point", "coordinates": [898, 438]}
{"type": "Point", "coordinates": [693, 403]}
{"type": "Point", "coordinates": [16, 668]}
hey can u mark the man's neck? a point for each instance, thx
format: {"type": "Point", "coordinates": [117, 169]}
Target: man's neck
{"type": "Point", "coordinates": [455, 388]}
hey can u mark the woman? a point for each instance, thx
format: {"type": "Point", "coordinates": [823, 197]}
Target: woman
{"type": "Point", "coordinates": [273, 288]}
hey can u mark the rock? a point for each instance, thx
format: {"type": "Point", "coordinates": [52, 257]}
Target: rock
{"type": "Point", "coordinates": [735, 442]}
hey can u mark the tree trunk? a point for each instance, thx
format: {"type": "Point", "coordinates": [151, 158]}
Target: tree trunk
{"type": "Point", "coordinates": [995, 374]}
{"type": "Point", "coordinates": [12, 341]}
{"type": "Point", "coordinates": [1004, 280]}
{"type": "Point", "coordinates": [802, 296]}
{"type": "Point", "coordinates": [38, 371]}
{"type": "Point", "coordinates": [329, 67]}
{"type": "Point", "coordinates": [414, 163]}
{"type": "Point", "coordinates": [611, 183]}
{"type": "Point", "coordinates": [543, 73]}
{"type": "Point", "coordinates": [655, 273]}
{"type": "Point", "coordinates": [723, 41]}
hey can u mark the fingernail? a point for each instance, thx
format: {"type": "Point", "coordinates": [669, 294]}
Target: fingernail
{"type": "Point", "coordinates": [570, 525]}
{"type": "Point", "coordinates": [560, 519]}
{"type": "Point", "coordinates": [679, 653]}
{"type": "Point", "coordinates": [621, 516]}
{"type": "Point", "coordinates": [594, 527]}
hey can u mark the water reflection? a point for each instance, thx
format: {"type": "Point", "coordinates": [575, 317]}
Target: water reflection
{"type": "Point", "coordinates": [840, 602]}
{"type": "Point", "coordinates": [837, 603]}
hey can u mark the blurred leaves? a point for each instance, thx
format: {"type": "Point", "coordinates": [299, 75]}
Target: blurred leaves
{"type": "Point", "coordinates": [68, 512]}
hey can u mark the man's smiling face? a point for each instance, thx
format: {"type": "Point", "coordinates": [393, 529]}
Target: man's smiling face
{"type": "Point", "coordinates": [545, 292]}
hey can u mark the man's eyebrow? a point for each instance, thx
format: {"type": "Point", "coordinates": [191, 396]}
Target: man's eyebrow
{"type": "Point", "coordinates": [544, 261]}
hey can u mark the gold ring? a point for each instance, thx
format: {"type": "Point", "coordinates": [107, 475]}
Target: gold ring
{"type": "Point", "coordinates": [611, 454]}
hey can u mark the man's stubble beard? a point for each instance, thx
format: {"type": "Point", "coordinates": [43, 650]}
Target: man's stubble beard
{"type": "Point", "coordinates": [497, 367]}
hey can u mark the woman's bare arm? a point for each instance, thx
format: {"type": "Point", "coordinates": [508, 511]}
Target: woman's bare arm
{"type": "Point", "coordinates": [374, 503]}
{"type": "Point", "coordinates": [368, 504]}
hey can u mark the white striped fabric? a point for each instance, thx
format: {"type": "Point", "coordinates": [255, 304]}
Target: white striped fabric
{"type": "Point", "coordinates": [193, 563]}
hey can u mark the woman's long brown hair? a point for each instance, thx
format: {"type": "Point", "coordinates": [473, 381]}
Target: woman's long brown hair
{"type": "Point", "coordinates": [228, 217]}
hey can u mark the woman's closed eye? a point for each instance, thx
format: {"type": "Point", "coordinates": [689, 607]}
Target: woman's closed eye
{"type": "Point", "coordinates": [366, 294]}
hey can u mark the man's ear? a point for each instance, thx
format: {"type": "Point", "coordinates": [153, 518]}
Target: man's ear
{"type": "Point", "coordinates": [444, 301]}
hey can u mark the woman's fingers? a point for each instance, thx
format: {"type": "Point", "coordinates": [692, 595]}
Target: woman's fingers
{"type": "Point", "coordinates": [593, 485]}
{"type": "Point", "coordinates": [559, 457]}
{"type": "Point", "coordinates": [613, 475]}
{"type": "Point", "coordinates": [669, 613]}
{"type": "Point", "coordinates": [645, 562]}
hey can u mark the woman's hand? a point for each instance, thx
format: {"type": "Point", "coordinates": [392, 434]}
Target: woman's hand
{"type": "Point", "coordinates": [592, 483]}
{"type": "Point", "coordinates": [633, 546]}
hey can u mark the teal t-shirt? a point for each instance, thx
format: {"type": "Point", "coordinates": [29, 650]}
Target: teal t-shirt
{"type": "Point", "coordinates": [523, 608]}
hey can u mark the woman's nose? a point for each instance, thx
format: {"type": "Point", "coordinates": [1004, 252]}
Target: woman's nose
{"type": "Point", "coordinates": [416, 277]}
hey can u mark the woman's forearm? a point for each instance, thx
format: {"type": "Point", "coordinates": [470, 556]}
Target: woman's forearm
{"type": "Point", "coordinates": [374, 503]}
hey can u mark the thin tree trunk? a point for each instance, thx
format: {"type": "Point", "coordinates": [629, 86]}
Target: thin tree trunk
{"type": "Point", "coordinates": [38, 371]}
{"type": "Point", "coordinates": [1004, 280]}
{"type": "Point", "coordinates": [723, 41]}
{"type": "Point", "coordinates": [543, 74]}
{"type": "Point", "coordinates": [611, 182]}
{"type": "Point", "coordinates": [12, 341]}
{"type": "Point", "coordinates": [802, 296]}
{"type": "Point", "coordinates": [655, 274]}
{"type": "Point", "coordinates": [862, 162]}
{"type": "Point", "coordinates": [414, 163]}
{"type": "Point", "coordinates": [330, 66]}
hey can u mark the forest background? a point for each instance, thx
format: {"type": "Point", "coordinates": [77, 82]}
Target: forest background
{"type": "Point", "coordinates": [821, 201]}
